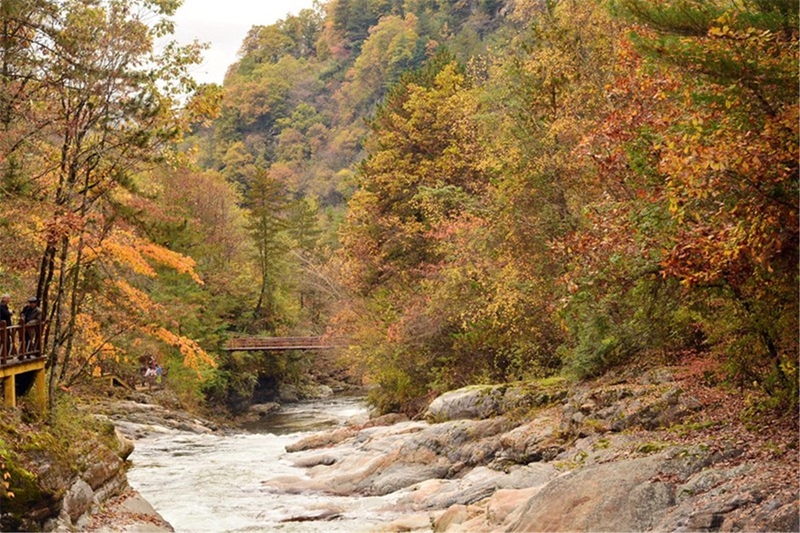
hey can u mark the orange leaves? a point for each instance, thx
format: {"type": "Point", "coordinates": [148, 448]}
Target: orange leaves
{"type": "Point", "coordinates": [132, 252]}
{"type": "Point", "coordinates": [89, 330]}
{"type": "Point", "coordinates": [136, 301]}
{"type": "Point", "coordinates": [121, 247]}
{"type": "Point", "coordinates": [93, 348]}
{"type": "Point", "coordinates": [134, 312]}
{"type": "Point", "coordinates": [6, 476]}
{"type": "Point", "coordinates": [194, 356]}
{"type": "Point", "coordinates": [174, 260]}
{"type": "Point", "coordinates": [713, 142]}
{"type": "Point", "coordinates": [735, 190]}
{"type": "Point", "coordinates": [62, 226]}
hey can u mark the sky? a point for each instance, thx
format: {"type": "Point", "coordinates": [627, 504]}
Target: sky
{"type": "Point", "coordinates": [223, 24]}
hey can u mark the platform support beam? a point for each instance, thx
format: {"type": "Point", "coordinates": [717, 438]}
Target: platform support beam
{"type": "Point", "coordinates": [10, 391]}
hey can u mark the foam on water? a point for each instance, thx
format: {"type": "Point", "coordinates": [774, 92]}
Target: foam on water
{"type": "Point", "coordinates": [213, 483]}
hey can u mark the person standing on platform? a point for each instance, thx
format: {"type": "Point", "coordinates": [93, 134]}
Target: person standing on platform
{"type": "Point", "coordinates": [31, 318]}
{"type": "Point", "coordinates": [5, 312]}
{"type": "Point", "coordinates": [6, 315]}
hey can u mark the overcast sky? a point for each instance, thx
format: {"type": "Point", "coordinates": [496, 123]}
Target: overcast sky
{"type": "Point", "coordinates": [223, 24]}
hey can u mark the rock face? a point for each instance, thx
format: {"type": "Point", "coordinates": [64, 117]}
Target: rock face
{"type": "Point", "coordinates": [532, 458]}
{"type": "Point", "coordinates": [618, 496]}
{"type": "Point", "coordinates": [127, 513]}
{"type": "Point", "coordinates": [513, 458]}
{"type": "Point", "coordinates": [82, 486]}
{"type": "Point", "coordinates": [92, 486]}
{"type": "Point", "coordinates": [134, 419]}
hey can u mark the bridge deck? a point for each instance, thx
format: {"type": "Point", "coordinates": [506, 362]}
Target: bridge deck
{"type": "Point", "coordinates": [19, 344]}
{"type": "Point", "coordinates": [253, 344]}
{"type": "Point", "coordinates": [21, 355]}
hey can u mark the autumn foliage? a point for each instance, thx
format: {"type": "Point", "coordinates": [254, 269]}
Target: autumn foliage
{"type": "Point", "coordinates": [468, 192]}
{"type": "Point", "coordinates": [88, 108]}
{"type": "Point", "coordinates": [627, 188]}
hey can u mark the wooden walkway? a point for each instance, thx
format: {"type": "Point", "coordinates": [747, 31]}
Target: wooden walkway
{"type": "Point", "coordinates": [268, 344]}
{"type": "Point", "coordinates": [21, 357]}
{"type": "Point", "coordinates": [117, 381]}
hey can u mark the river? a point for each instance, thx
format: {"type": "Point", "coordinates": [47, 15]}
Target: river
{"type": "Point", "coordinates": [213, 483]}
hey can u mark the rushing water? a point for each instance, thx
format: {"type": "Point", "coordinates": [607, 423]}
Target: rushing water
{"type": "Point", "coordinates": [213, 483]}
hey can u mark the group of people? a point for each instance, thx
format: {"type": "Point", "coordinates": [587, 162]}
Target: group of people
{"type": "Point", "coordinates": [153, 373]}
{"type": "Point", "coordinates": [29, 315]}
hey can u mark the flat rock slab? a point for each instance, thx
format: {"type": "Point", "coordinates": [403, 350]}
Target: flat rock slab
{"type": "Point", "coordinates": [129, 513]}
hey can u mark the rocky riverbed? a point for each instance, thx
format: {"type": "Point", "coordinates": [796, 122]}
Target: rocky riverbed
{"type": "Point", "coordinates": [651, 450]}
{"type": "Point", "coordinates": [646, 451]}
{"type": "Point", "coordinates": [101, 499]}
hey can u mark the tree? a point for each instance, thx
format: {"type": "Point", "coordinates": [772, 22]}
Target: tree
{"type": "Point", "coordinates": [419, 190]}
{"type": "Point", "coordinates": [543, 97]}
{"type": "Point", "coordinates": [387, 52]}
{"type": "Point", "coordinates": [24, 38]}
{"type": "Point", "coordinates": [86, 93]}
{"type": "Point", "coordinates": [728, 154]}
{"type": "Point", "coordinates": [267, 207]}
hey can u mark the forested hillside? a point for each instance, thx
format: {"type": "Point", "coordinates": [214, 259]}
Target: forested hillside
{"type": "Point", "coordinates": [471, 191]}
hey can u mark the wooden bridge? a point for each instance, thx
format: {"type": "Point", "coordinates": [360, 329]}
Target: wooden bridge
{"type": "Point", "coordinates": [22, 363]}
{"type": "Point", "coordinates": [257, 344]}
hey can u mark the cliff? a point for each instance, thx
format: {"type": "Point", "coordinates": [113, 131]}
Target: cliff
{"type": "Point", "coordinates": [68, 474]}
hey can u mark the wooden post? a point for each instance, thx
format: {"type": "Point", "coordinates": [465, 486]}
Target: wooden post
{"type": "Point", "coordinates": [40, 389]}
{"type": "Point", "coordinates": [23, 348]}
{"type": "Point", "coordinates": [10, 391]}
{"type": "Point", "coordinates": [4, 336]}
{"type": "Point", "coordinates": [4, 341]}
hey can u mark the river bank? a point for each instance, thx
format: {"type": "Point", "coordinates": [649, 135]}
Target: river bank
{"type": "Point", "coordinates": [648, 450]}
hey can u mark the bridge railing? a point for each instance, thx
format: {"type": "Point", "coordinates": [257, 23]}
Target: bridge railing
{"type": "Point", "coordinates": [279, 343]}
{"type": "Point", "coordinates": [19, 342]}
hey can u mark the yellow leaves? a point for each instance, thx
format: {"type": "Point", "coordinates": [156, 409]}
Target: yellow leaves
{"type": "Point", "coordinates": [193, 355]}
{"type": "Point", "coordinates": [93, 344]}
{"type": "Point", "coordinates": [134, 298]}
{"type": "Point", "coordinates": [129, 251]}
{"type": "Point", "coordinates": [89, 329]}
{"type": "Point", "coordinates": [125, 253]}
{"type": "Point", "coordinates": [720, 31]}
{"type": "Point", "coordinates": [6, 477]}
{"type": "Point", "coordinates": [204, 105]}
{"type": "Point", "coordinates": [174, 260]}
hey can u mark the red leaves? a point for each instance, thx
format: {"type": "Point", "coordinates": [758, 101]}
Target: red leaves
{"type": "Point", "coordinates": [63, 225]}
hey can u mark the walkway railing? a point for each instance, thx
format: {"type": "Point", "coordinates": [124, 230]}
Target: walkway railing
{"type": "Point", "coordinates": [18, 343]}
{"type": "Point", "coordinates": [279, 343]}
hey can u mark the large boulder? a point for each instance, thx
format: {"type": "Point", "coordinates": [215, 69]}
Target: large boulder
{"type": "Point", "coordinates": [128, 512]}
{"type": "Point", "coordinates": [480, 402]}
{"type": "Point", "coordinates": [611, 456]}
{"type": "Point", "coordinates": [77, 500]}
{"type": "Point", "coordinates": [475, 403]}
{"type": "Point", "coordinates": [125, 445]}
{"type": "Point", "coordinates": [626, 495]}
{"type": "Point", "coordinates": [476, 485]}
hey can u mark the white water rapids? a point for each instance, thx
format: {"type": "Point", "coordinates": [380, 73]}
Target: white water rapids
{"type": "Point", "coordinates": [213, 483]}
